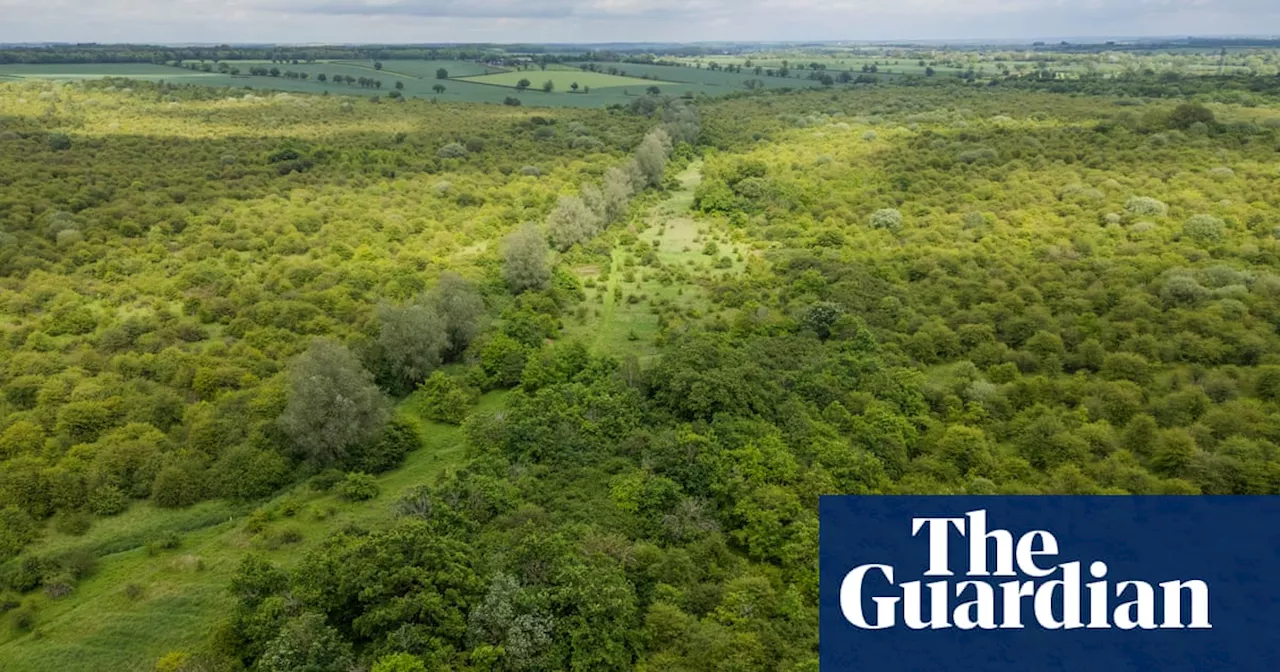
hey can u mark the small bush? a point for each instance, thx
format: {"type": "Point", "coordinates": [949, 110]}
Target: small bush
{"type": "Point", "coordinates": [325, 480]}
{"type": "Point", "coordinates": [165, 541]}
{"type": "Point", "coordinates": [24, 619]}
{"type": "Point", "coordinates": [107, 501]}
{"type": "Point", "coordinates": [59, 585]}
{"type": "Point", "coordinates": [74, 523]}
{"type": "Point", "coordinates": [358, 487]}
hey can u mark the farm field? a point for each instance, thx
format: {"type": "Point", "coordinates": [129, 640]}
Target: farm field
{"type": "Point", "coordinates": [563, 79]}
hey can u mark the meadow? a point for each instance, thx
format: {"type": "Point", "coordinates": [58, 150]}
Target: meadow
{"type": "Point", "coordinates": [596, 364]}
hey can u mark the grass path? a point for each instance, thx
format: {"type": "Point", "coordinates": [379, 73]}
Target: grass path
{"type": "Point", "coordinates": [612, 330]}
{"type": "Point", "coordinates": [184, 591]}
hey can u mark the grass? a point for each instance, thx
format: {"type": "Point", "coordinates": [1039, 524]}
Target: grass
{"type": "Point", "coordinates": [183, 590]}
{"type": "Point", "coordinates": [563, 79]}
{"type": "Point", "coordinates": [623, 327]}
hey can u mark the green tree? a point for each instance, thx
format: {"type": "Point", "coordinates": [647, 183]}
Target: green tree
{"type": "Point", "coordinates": [459, 304]}
{"type": "Point", "coordinates": [441, 73]}
{"type": "Point", "coordinates": [307, 644]}
{"type": "Point", "coordinates": [333, 404]}
{"type": "Point", "coordinates": [413, 340]}
{"type": "Point", "coordinates": [571, 223]}
{"type": "Point", "coordinates": [524, 260]}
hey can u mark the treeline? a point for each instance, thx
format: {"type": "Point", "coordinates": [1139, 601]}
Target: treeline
{"type": "Point", "coordinates": [124, 53]}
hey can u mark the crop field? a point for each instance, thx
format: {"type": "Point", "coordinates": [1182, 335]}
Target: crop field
{"type": "Point", "coordinates": [73, 71]}
{"type": "Point", "coordinates": [563, 79]}
{"type": "Point", "coordinates": [702, 81]}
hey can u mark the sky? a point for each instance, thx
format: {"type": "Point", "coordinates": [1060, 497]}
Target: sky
{"type": "Point", "coordinates": [505, 21]}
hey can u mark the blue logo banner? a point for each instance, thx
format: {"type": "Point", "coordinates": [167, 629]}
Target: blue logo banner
{"type": "Point", "coordinates": [1031, 584]}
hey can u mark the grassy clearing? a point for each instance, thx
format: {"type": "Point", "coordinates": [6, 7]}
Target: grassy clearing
{"type": "Point", "coordinates": [623, 309]}
{"type": "Point", "coordinates": [563, 79]}
{"type": "Point", "coordinates": [181, 591]}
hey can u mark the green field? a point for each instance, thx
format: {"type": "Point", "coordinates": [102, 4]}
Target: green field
{"type": "Point", "coordinates": [564, 79]}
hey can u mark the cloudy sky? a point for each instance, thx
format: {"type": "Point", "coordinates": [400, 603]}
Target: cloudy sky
{"type": "Point", "coordinates": [620, 20]}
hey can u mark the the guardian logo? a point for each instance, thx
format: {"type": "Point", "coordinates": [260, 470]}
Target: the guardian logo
{"type": "Point", "coordinates": [1049, 584]}
{"type": "Point", "coordinates": [1012, 582]}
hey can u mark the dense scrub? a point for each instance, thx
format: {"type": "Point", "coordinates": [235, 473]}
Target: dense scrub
{"type": "Point", "coordinates": [944, 290]}
{"type": "Point", "coordinates": [162, 258]}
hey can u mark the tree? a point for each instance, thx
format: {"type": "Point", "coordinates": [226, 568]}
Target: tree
{"type": "Point", "coordinates": [574, 87]}
{"type": "Point", "coordinates": [438, 88]}
{"type": "Point", "coordinates": [653, 90]}
{"type": "Point", "coordinates": [333, 404]}
{"type": "Point", "coordinates": [322, 78]}
{"type": "Point", "coordinates": [59, 141]}
{"type": "Point", "coordinates": [442, 399]}
{"type": "Point", "coordinates": [571, 223]}
{"type": "Point", "coordinates": [651, 156]}
{"type": "Point", "coordinates": [522, 84]}
{"type": "Point", "coordinates": [399, 85]}
{"type": "Point", "coordinates": [511, 101]}
{"type": "Point", "coordinates": [524, 255]}
{"type": "Point", "coordinates": [1186, 114]}
{"type": "Point", "coordinates": [377, 65]}
{"type": "Point", "coordinates": [460, 305]}
{"type": "Point", "coordinates": [548, 86]}
{"type": "Point", "coordinates": [413, 339]}
{"type": "Point", "coordinates": [441, 73]}
{"type": "Point", "coordinates": [617, 193]}
{"type": "Point", "coordinates": [307, 644]}
{"type": "Point", "coordinates": [886, 218]}
{"type": "Point", "coordinates": [399, 662]}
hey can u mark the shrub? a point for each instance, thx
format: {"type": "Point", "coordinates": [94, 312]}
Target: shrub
{"type": "Point", "coordinates": [388, 450]}
{"type": "Point", "coordinates": [358, 487]}
{"type": "Point", "coordinates": [886, 218]}
{"type": "Point", "coordinates": [17, 529]}
{"type": "Point", "coordinates": [453, 150]}
{"type": "Point", "coordinates": [1204, 229]}
{"type": "Point", "coordinates": [59, 585]}
{"type": "Point", "coordinates": [325, 480]}
{"type": "Point", "coordinates": [108, 501]}
{"type": "Point", "coordinates": [1146, 206]}
{"type": "Point", "coordinates": [59, 141]}
{"type": "Point", "coordinates": [23, 619]}
{"type": "Point", "coordinates": [442, 399]}
{"type": "Point", "coordinates": [164, 541]}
